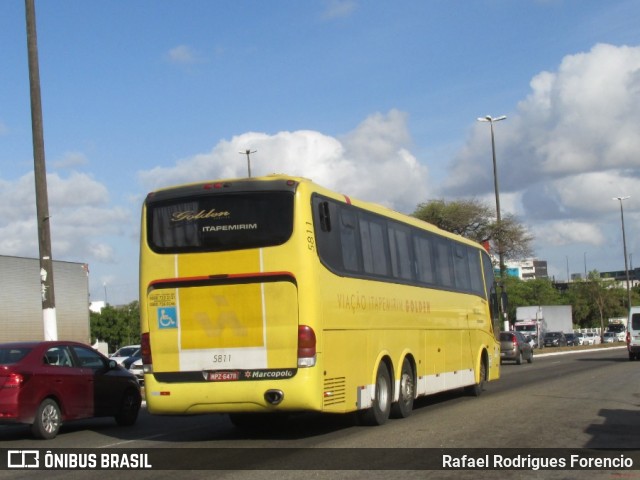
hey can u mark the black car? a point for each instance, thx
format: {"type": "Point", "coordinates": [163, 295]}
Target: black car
{"type": "Point", "coordinates": [554, 339]}
{"type": "Point", "coordinates": [514, 346]}
{"type": "Point", "coordinates": [572, 339]}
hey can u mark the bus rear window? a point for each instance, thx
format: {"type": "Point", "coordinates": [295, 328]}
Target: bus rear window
{"type": "Point", "coordinates": [219, 222]}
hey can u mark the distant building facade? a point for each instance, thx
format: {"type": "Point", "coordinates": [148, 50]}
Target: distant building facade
{"type": "Point", "coordinates": [529, 269]}
{"type": "Point", "coordinates": [21, 300]}
{"type": "Point", "coordinates": [620, 276]}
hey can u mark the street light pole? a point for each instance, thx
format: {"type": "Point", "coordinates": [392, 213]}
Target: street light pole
{"type": "Point", "coordinates": [624, 246]}
{"type": "Point", "coordinates": [248, 152]}
{"type": "Point", "coordinates": [491, 120]}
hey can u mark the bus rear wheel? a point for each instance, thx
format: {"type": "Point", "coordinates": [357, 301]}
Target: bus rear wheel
{"type": "Point", "coordinates": [381, 408]}
{"type": "Point", "coordinates": [404, 406]}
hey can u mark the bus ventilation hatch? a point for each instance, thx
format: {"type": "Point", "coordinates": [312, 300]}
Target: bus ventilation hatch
{"type": "Point", "coordinates": [334, 391]}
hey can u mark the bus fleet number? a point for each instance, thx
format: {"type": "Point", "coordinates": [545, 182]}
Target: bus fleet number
{"type": "Point", "coordinates": [221, 358]}
{"type": "Point", "coordinates": [311, 243]}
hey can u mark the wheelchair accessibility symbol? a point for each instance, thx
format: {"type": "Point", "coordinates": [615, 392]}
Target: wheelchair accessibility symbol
{"type": "Point", "coordinates": [167, 317]}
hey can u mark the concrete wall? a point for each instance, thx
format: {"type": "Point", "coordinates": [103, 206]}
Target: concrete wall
{"type": "Point", "coordinates": [21, 300]}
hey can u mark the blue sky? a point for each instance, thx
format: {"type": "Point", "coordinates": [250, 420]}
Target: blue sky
{"type": "Point", "coordinates": [376, 99]}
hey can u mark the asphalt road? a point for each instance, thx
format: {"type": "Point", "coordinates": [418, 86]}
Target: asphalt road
{"type": "Point", "coordinates": [580, 400]}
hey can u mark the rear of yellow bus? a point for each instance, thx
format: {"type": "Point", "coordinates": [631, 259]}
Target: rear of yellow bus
{"type": "Point", "coordinates": [220, 268]}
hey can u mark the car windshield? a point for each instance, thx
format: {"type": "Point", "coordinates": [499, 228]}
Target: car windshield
{"type": "Point", "coordinates": [126, 352]}
{"type": "Point", "coordinates": [11, 355]}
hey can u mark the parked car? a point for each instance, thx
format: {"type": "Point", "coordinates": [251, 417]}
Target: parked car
{"type": "Point", "coordinates": [593, 337]}
{"type": "Point", "coordinates": [136, 369]}
{"type": "Point", "coordinates": [127, 362]}
{"type": "Point", "coordinates": [45, 384]}
{"type": "Point", "coordinates": [610, 337]}
{"type": "Point", "coordinates": [124, 353]}
{"type": "Point", "coordinates": [581, 339]}
{"type": "Point", "coordinates": [555, 339]}
{"type": "Point", "coordinates": [513, 346]}
{"type": "Point", "coordinates": [587, 339]}
{"type": "Point", "coordinates": [572, 339]}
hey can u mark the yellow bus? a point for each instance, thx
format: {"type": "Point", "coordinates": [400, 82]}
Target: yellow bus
{"type": "Point", "coordinates": [273, 294]}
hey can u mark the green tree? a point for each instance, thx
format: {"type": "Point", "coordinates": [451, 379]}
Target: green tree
{"type": "Point", "coordinates": [531, 292]}
{"type": "Point", "coordinates": [595, 300]}
{"type": "Point", "coordinates": [475, 220]}
{"type": "Point", "coordinates": [117, 326]}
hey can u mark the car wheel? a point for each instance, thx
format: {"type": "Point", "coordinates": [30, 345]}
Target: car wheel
{"type": "Point", "coordinates": [129, 408]}
{"type": "Point", "coordinates": [381, 408]}
{"type": "Point", "coordinates": [519, 359]}
{"type": "Point", "coordinates": [48, 420]}
{"type": "Point", "coordinates": [530, 359]}
{"type": "Point", "coordinates": [404, 406]}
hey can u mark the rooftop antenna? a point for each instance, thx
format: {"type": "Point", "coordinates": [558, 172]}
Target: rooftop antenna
{"type": "Point", "coordinates": [248, 152]}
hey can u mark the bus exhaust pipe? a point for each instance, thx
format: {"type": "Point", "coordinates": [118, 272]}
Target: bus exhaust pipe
{"type": "Point", "coordinates": [273, 397]}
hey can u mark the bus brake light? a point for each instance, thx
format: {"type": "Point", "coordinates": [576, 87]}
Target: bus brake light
{"type": "Point", "coordinates": [306, 346]}
{"type": "Point", "coordinates": [145, 349]}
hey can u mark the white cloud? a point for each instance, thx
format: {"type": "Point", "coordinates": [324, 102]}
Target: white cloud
{"type": "Point", "coordinates": [183, 55]}
{"type": "Point", "coordinates": [570, 147]}
{"type": "Point", "coordinates": [339, 9]}
{"type": "Point", "coordinates": [80, 214]}
{"type": "Point", "coordinates": [581, 119]}
{"type": "Point", "coordinates": [372, 162]}
{"type": "Point", "coordinates": [70, 160]}
{"type": "Point", "coordinates": [561, 233]}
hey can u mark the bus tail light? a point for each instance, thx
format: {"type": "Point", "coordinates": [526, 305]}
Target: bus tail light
{"type": "Point", "coordinates": [306, 346]}
{"type": "Point", "coordinates": [145, 349]}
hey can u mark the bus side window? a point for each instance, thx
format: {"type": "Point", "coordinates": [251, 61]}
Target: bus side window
{"type": "Point", "coordinates": [461, 268]}
{"type": "Point", "coordinates": [400, 250]}
{"type": "Point", "coordinates": [325, 217]}
{"type": "Point", "coordinates": [444, 259]}
{"type": "Point", "coordinates": [348, 240]}
{"type": "Point", "coordinates": [424, 263]}
{"type": "Point", "coordinates": [374, 251]}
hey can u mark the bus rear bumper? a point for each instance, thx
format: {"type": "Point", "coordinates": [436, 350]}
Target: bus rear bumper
{"type": "Point", "coordinates": [231, 397]}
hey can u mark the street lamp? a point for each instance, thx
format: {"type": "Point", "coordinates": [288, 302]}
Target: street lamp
{"type": "Point", "coordinates": [248, 152]}
{"type": "Point", "coordinates": [624, 246]}
{"type": "Point", "coordinates": [491, 120]}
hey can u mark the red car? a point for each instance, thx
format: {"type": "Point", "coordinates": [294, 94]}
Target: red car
{"type": "Point", "coordinates": [44, 384]}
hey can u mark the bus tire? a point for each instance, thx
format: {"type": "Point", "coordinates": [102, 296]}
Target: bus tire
{"type": "Point", "coordinates": [404, 406]}
{"type": "Point", "coordinates": [379, 412]}
{"type": "Point", "coordinates": [476, 390]}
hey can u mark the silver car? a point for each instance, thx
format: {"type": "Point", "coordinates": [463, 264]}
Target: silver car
{"type": "Point", "coordinates": [514, 347]}
{"type": "Point", "coordinates": [136, 369]}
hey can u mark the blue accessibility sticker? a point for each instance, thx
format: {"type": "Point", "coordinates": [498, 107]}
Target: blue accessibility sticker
{"type": "Point", "coordinates": [167, 317]}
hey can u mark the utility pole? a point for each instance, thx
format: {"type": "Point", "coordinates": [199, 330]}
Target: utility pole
{"type": "Point", "coordinates": [40, 174]}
